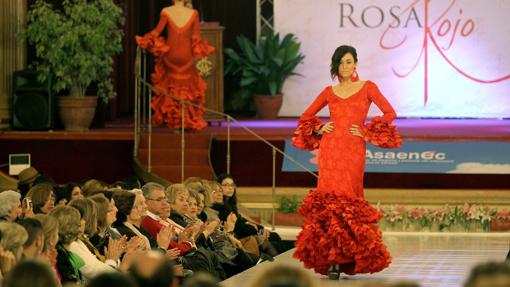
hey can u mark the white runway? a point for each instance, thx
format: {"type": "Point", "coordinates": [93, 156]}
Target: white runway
{"type": "Point", "coordinates": [431, 259]}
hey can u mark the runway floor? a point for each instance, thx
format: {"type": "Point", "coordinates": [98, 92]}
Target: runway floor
{"type": "Point", "coordinates": [430, 259]}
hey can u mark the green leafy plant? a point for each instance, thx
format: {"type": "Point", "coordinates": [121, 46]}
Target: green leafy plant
{"type": "Point", "coordinates": [75, 45]}
{"type": "Point", "coordinates": [263, 69]}
{"type": "Point", "coordinates": [288, 204]}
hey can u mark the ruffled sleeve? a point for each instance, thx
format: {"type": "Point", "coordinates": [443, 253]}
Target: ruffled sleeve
{"type": "Point", "coordinates": [305, 136]}
{"type": "Point", "coordinates": [152, 42]}
{"type": "Point", "coordinates": [382, 133]}
{"type": "Point", "coordinates": [157, 46]}
{"type": "Point", "coordinates": [199, 47]}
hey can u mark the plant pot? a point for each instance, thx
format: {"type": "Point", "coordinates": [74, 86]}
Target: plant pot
{"type": "Point", "coordinates": [76, 113]}
{"type": "Point", "coordinates": [268, 106]}
{"type": "Point", "coordinates": [500, 224]}
{"type": "Point", "coordinates": [288, 219]}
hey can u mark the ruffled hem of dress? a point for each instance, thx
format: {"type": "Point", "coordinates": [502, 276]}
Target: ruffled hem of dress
{"type": "Point", "coordinates": [167, 110]}
{"type": "Point", "coordinates": [157, 46]}
{"type": "Point", "coordinates": [382, 133]}
{"type": "Point", "coordinates": [340, 229]}
{"type": "Point", "coordinates": [305, 137]}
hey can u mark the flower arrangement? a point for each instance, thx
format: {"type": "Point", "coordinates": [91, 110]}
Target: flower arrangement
{"type": "Point", "coordinates": [470, 217]}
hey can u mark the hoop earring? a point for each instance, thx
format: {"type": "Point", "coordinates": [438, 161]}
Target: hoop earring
{"type": "Point", "coordinates": [354, 76]}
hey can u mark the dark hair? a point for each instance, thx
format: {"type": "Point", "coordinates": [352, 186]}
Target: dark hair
{"type": "Point", "coordinates": [30, 273]}
{"type": "Point", "coordinates": [60, 193]}
{"type": "Point", "coordinates": [44, 178]}
{"type": "Point", "coordinates": [337, 57]}
{"type": "Point", "coordinates": [108, 279]}
{"type": "Point", "coordinates": [489, 269]}
{"type": "Point", "coordinates": [201, 279]}
{"type": "Point", "coordinates": [34, 229]}
{"type": "Point", "coordinates": [124, 201]}
{"type": "Point", "coordinates": [68, 189]}
{"type": "Point", "coordinates": [229, 202]}
{"type": "Point", "coordinates": [162, 276]}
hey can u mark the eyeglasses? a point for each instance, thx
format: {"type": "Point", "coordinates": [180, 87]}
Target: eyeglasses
{"type": "Point", "coordinates": [228, 185]}
{"type": "Point", "coordinates": [161, 199]}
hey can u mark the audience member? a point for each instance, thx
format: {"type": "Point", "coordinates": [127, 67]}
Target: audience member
{"type": "Point", "coordinates": [14, 237]}
{"type": "Point", "coordinates": [112, 280]}
{"type": "Point", "coordinates": [153, 269]}
{"type": "Point", "coordinates": [68, 263]}
{"type": "Point", "coordinates": [282, 275]}
{"type": "Point", "coordinates": [43, 198]}
{"type": "Point", "coordinates": [10, 205]}
{"type": "Point", "coordinates": [30, 273]}
{"type": "Point", "coordinates": [34, 245]}
{"type": "Point", "coordinates": [490, 274]}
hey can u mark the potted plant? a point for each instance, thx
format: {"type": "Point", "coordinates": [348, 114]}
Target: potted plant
{"type": "Point", "coordinates": [74, 46]}
{"type": "Point", "coordinates": [287, 212]}
{"type": "Point", "coordinates": [262, 69]}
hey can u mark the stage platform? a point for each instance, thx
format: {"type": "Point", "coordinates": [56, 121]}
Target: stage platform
{"type": "Point", "coordinates": [107, 153]}
{"type": "Point", "coordinates": [430, 259]}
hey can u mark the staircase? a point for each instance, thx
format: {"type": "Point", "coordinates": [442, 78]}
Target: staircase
{"type": "Point", "coordinates": [166, 155]}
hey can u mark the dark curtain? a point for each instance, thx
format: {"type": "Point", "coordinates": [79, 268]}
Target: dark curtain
{"type": "Point", "coordinates": [237, 16]}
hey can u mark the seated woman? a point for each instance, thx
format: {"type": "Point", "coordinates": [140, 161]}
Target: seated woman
{"type": "Point", "coordinates": [230, 201]}
{"type": "Point", "coordinates": [10, 205]}
{"type": "Point", "coordinates": [106, 216]}
{"type": "Point", "coordinates": [94, 262]}
{"type": "Point", "coordinates": [222, 240]}
{"type": "Point", "coordinates": [49, 251]}
{"type": "Point", "coordinates": [131, 210]}
{"type": "Point", "coordinates": [43, 198]}
{"type": "Point", "coordinates": [68, 263]}
{"type": "Point", "coordinates": [177, 195]}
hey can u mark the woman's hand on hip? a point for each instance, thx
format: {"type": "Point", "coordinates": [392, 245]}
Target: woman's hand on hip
{"type": "Point", "coordinates": [326, 128]}
{"type": "Point", "coordinates": [356, 131]}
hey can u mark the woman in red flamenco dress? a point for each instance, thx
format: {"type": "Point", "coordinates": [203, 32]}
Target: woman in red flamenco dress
{"type": "Point", "coordinates": [340, 233]}
{"type": "Point", "coordinates": [175, 73]}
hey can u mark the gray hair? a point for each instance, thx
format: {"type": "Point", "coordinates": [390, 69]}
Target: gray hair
{"type": "Point", "coordinates": [13, 236]}
{"type": "Point", "coordinates": [8, 201]}
{"type": "Point", "coordinates": [149, 187]}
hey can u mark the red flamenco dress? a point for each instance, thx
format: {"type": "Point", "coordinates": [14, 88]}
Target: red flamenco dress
{"type": "Point", "coordinates": [175, 73]}
{"type": "Point", "coordinates": [340, 227]}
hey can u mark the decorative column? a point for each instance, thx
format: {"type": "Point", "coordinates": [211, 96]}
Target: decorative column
{"type": "Point", "coordinates": [12, 53]}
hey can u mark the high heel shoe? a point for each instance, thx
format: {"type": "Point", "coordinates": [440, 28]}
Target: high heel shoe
{"type": "Point", "coordinates": [334, 272]}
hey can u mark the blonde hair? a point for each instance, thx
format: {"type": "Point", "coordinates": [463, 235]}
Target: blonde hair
{"type": "Point", "coordinates": [88, 212]}
{"type": "Point", "coordinates": [68, 221]}
{"type": "Point", "coordinates": [199, 188]}
{"type": "Point", "coordinates": [93, 186]}
{"type": "Point", "coordinates": [13, 236]}
{"type": "Point", "coordinates": [102, 205]}
{"type": "Point", "coordinates": [50, 229]}
{"type": "Point", "coordinates": [173, 190]}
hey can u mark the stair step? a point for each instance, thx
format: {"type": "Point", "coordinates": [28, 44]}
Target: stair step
{"type": "Point", "coordinates": [173, 173]}
{"type": "Point", "coordinates": [173, 140]}
{"type": "Point", "coordinates": [173, 156]}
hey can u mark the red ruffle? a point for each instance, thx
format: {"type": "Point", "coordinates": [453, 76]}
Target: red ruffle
{"type": "Point", "coordinates": [201, 48]}
{"type": "Point", "coordinates": [382, 133]}
{"type": "Point", "coordinates": [340, 229]}
{"type": "Point", "coordinates": [305, 137]}
{"type": "Point", "coordinates": [156, 45]}
{"type": "Point", "coordinates": [168, 110]}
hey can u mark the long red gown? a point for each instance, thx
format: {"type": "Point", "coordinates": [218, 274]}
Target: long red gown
{"type": "Point", "coordinates": [340, 227]}
{"type": "Point", "coordinates": [175, 72]}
